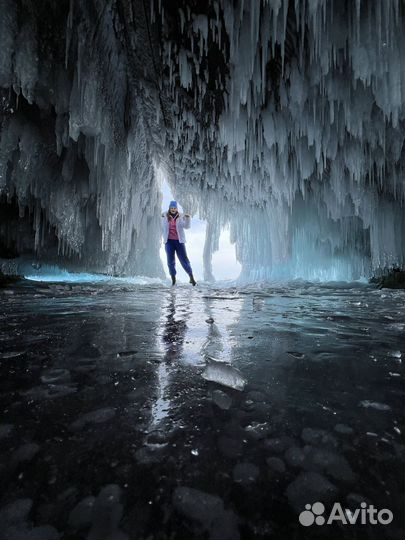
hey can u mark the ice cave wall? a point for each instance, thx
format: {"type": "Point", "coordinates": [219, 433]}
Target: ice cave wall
{"type": "Point", "coordinates": [305, 140]}
{"type": "Point", "coordinates": [79, 137]}
{"type": "Point", "coordinates": [283, 118]}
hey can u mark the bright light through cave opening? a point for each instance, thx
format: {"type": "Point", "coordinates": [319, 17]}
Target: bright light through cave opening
{"type": "Point", "coordinates": [224, 263]}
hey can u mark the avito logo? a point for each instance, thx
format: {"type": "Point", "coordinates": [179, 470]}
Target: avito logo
{"type": "Point", "coordinates": [366, 514]}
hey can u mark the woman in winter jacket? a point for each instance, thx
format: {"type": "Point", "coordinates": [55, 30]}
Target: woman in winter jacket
{"type": "Point", "coordinates": [173, 225]}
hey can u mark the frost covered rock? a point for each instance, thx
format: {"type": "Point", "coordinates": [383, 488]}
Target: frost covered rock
{"type": "Point", "coordinates": [343, 429]}
{"type": "Point", "coordinates": [6, 430]}
{"type": "Point", "coordinates": [333, 464]}
{"type": "Point", "coordinates": [26, 452]}
{"type": "Point", "coordinates": [231, 447]}
{"type": "Point", "coordinates": [245, 473]}
{"type": "Point", "coordinates": [80, 516]}
{"type": "Point", "coordinates": [221, 399]}
{"type": "Point", "coordinates": [106, 515]}
{"type": "Point", "coordinates": [294, 456]}
{"type": "Point", "coordinates": [147, 455]}
{"type": "Point", "coordinates": [276, 465]}
{"type": "Point", "coordinates": [278, 444]}
{"type": "Point", "coordinates": [207, 511]}
{"type": "Point", "coordinates": [15, 512]}
{"type": "Point", "coordinates": [14, 520]}
{"type": "Point", "coordinates": [197, 505]}
{"type": "Point", "coordinates": [49, 391]}
{"type": "Point", "coordinates": [318, 437]}
{"type": "Point", "coordinates": [94, 417]}
{"type": "Point", "coordinates": [44, 532]}
{"type": "Point", "coordinates": [310, 487]}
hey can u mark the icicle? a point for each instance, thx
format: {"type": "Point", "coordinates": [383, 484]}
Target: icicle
{"type": "Point", "coordinates": [313, 163]}
{"type": "Point", "coordinates": [69, 27]}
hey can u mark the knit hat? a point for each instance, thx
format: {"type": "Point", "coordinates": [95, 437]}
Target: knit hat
{"type": "Point", "coordinates": [173, 203]}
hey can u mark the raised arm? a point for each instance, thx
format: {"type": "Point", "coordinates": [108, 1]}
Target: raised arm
{"type": "Point", "coordinates": [186, 221]}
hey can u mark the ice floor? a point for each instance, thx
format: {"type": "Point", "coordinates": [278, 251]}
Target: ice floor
{"type": "Point", "coordinates": [152, 412]}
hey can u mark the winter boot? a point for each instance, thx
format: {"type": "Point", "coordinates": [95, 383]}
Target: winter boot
{"type": "Point", "coordinates": [173, 280]}
{"type": "Point", "coordinates": [192, 280]}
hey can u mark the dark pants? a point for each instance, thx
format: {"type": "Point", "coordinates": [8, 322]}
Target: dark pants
{"type": "Point", "coordinates": [172, 247]}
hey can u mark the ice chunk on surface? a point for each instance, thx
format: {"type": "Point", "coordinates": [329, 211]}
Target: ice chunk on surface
{"type": "Point", "coordinates": [224, 374]}
{"type": "Point", "coordinates": [374, 405]}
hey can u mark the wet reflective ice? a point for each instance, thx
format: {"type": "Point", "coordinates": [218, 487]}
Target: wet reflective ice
{"type": "Point", "coordinates": [208, 412]}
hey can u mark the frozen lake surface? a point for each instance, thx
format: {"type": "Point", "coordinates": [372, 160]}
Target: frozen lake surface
{"type": "Point", "coordinates": [145, 411]}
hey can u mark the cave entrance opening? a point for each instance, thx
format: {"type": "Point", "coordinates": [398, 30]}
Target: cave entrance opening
{"type": "Point", "coordinates": [225, 266]}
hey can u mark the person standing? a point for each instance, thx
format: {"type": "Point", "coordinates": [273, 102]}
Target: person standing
{"type": "Point", "coordinates": [173, 225]}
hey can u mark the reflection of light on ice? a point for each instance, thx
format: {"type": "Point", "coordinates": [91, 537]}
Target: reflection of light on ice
{"type": "Point", "coordinates": [217, 348]}
{"type": "Point", "coordinates": [161, 406]}
{"type": "Point", "coordinates": [64, 276]}
{"type": "Point", "coordinates": [59, 276]}
{"type": "Point", "coordinates": [219, 342]}
{"type": "Point", "coordinates": [213, 345]}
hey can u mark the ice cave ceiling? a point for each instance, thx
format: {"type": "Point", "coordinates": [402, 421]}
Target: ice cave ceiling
{"type": "Point", "coordinates": [281, 118]}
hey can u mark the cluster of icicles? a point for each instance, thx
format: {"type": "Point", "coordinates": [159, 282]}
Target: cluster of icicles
{"type": "Point", "coordinates": [308, 173]}
{"type": "Point", "coordinates": [66, 154]}
{"type": "Point", "coordinates": [311, 182]}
